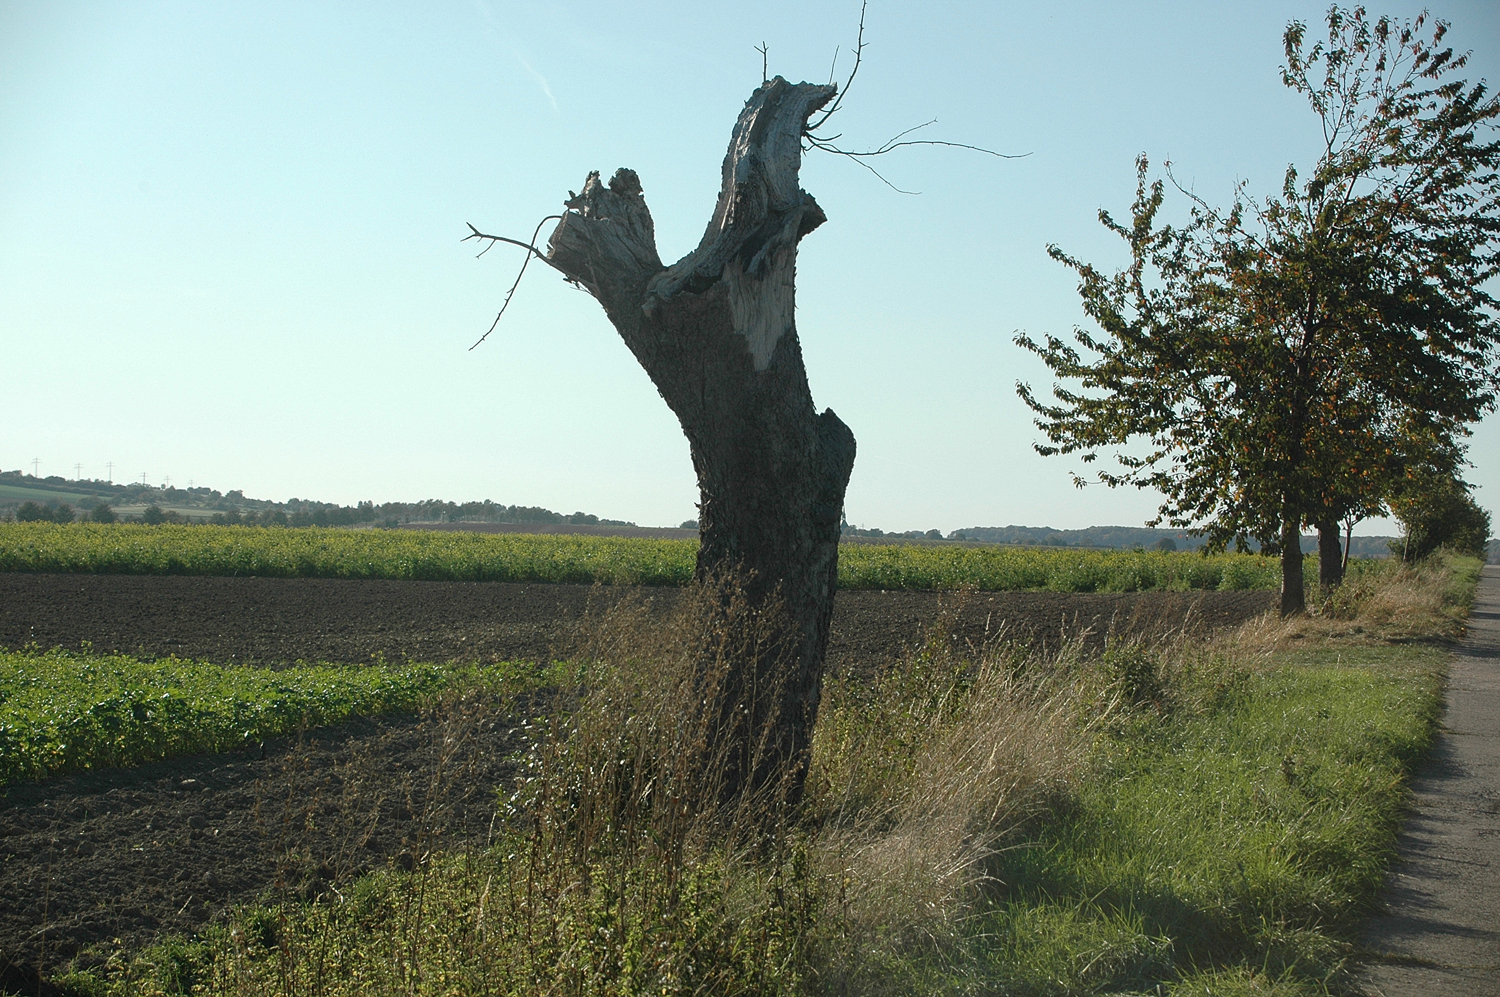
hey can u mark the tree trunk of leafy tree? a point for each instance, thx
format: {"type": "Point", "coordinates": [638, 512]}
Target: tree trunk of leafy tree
{"type": "Point", "coordinates": [1293, 599]}
{"type": "Point", "coordinates": [1330, 556]}
{"type": "Point", "coordinates": [716, 333]}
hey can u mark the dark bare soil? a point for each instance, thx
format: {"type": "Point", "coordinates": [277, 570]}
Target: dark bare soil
{"type": "Point", "coordinates": [112, 859]}
{"type": "Point", "coordinates": [108, 861]}
{"type": "Point", "coordinates": [275, 621]}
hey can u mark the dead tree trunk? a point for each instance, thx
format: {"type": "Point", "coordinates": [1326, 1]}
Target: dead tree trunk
{"type": "Point", "coordinates": [716, 333]}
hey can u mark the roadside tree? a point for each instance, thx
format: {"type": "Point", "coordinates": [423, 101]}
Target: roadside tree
{"type": "Point", "coordinates": [1439, 511]}
{"type": "Point", "coordinates": [716, 333]}
{"type": "Point", "coordinates": [1283, 360]}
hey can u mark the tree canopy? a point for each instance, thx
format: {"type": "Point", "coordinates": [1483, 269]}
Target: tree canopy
{"type": "Point", "coordinates": [1292, 359]}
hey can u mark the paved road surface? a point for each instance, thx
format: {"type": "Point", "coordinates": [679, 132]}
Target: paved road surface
{"type": "Point", "coordinates": [1440, 933]}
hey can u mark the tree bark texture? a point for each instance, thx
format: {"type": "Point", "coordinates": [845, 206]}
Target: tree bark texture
{"type": "Point", "coordinates": [1293, 598]}
{"type": "Point", "coordinates": [1330, 556]}
{"type": "Point", "coordinates": [716, 333]}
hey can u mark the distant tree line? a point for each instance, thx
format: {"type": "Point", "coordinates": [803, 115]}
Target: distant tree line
{"type": "Point", "coordinates": [875, 531]}
{"type": "Point", "coordinates": [189, 505]}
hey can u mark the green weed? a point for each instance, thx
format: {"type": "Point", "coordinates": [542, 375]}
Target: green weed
{"type": "Point", "coordinates": [62, 711]}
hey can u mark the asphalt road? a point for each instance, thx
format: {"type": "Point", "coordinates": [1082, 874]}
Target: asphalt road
{"type": "Point", "coordinates": [1439, 933]}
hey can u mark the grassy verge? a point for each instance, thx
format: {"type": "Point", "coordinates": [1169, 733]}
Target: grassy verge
{"type": "Point", "coordinates": [1163, 818]}
{"type": "Point", "coordinates": [1231, 845]}
{"type": "Point", "coordinates": [437, 556]}
{"type": "Point", "coordinates": [62, 712]}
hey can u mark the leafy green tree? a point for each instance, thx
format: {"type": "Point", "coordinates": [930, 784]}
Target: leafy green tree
{"type": "Point", "coordinates": [30, 512]}
{"type": "Point", "coordinates": [1439, 512]}
{"type": "Point", "coordinates": [102, 513]}
{"type": "Point", "coordinates": [1284, 360]}
{"type": "Point", "coordinates": [153, 516]}
{"type": "Point", "coordinates": [63, 513]}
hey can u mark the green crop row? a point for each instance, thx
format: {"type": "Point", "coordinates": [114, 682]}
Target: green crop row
{"type": "Point", "coordinates": [443, 556]}
{"type": "Point", "coordinates": [1008, 569]}
{"type": "Point", "coordinates": [334, 553]}
{"type": "Point", "coordinates": [62, 712]}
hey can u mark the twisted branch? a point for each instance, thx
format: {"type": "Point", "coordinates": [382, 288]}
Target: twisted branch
{"type": "Point", "coordinates": [476, 234]}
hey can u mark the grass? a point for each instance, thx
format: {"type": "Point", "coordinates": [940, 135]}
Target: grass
{"type": "Point", "coordinates": [41, 496]}
{"type": "Point", "coordinates": [441, 556]}
{"type": "Point", "coordinates": [1168, 817]}
{"type": "Point", "coordinates": [1247, 838]}
{"type": "Point", "coordinates": [62, 712]}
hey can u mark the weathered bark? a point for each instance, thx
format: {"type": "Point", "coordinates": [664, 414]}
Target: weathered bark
{"type": "Point", "coordinates": [1330, 556]}
{"type": "Point", "coordinates": [716, 333]}
{"type": "Point", "coordinates": [1293, 600]}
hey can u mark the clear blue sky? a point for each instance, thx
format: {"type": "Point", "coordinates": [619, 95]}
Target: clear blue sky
{"type": "Point", "coordinates": [229, 233]}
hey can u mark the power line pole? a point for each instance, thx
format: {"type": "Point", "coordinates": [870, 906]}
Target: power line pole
{"type": "Point", "coordinates": [111, 465]}
{"type": "Point", "coordinates": [77, 472]}
{"type": "Point", "coordinates": [35, 463]}
{"type": "Point", "coordinates": [143, 477]}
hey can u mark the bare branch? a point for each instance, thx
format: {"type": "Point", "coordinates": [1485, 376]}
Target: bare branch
{"type": "Point", "coordinates": [826, 144]}
{"type": "Point", "coordinates": [765, 67]}
{"type": "Point", "coordinates": [533, 252]}
{"type": "Point", "coordinates": [890, 145]}
{"type": "Point", "coordinates": [500, 238]}
{"type": "Point", "coordinates": [860, 162]}
{"type": "Point", "coordinates": [859, 51]}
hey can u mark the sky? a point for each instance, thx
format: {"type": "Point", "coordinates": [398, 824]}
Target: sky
{"type": "Point", "coordinates": [230, 234]}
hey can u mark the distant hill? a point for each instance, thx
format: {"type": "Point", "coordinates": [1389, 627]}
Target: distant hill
{"type": "Point", "coordinates": [206, 505]}
{"type": "Point", "coordinates": [199, 504]}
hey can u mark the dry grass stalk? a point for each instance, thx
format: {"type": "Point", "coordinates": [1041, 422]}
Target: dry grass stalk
{"type": "Point", "coordinates": [925, 775]}
{"type": "Point", "coordinates": [1382, 602]}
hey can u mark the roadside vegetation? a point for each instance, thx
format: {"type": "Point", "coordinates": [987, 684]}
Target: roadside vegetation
{"type": "Point", "coordinates": [1261, 356]}
{"type": "Point", "coordinates": [440, 556]}
{"type": "Point", "coordinates": [1168, 816]}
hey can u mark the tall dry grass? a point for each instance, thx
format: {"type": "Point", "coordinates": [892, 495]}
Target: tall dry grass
{"type": "Point", "coordinates": [922, 776]}
{"type": "Point", "coordinates": [1379, 601]}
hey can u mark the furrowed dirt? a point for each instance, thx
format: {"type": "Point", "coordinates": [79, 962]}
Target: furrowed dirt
{"type": "Point", "coordinates": [110, 860]}
{"type": "Point", "coordinates": [271, 621]}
